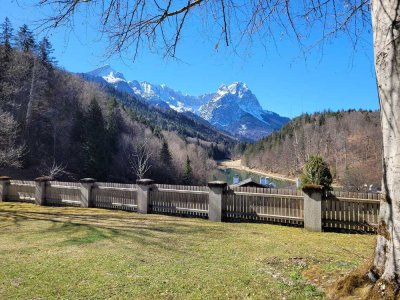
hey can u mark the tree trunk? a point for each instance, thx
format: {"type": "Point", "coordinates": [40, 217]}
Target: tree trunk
{"type": "Point", "coordinates": [386, 25]}
{"type": "Point", "coordinates": [29, 109]}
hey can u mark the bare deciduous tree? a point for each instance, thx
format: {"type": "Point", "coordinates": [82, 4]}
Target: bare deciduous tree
{"type": "Point", "coordinates": [53, 170]}
{"type": "Point", "coordinates": [10, 152]}
{"type": "Point", "coordinates": [139, 159]}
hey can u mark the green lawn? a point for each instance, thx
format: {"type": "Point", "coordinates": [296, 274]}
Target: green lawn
{"type": "Point", "coordinates": [71, 253]}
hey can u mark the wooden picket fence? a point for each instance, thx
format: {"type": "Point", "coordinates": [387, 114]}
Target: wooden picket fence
{"type": "Point", "coordinates": [179, 200]}
{"type": "Point", "coordinates": [264, 204]}
{"type": "Point", "coordinates": [63, 193]}
{"type": "Point", "coordinates": [340, 211]}
{"type": "Point", "coordinates": [115, 196]}
{"type": "Point", "coordinates": [351, 211]}
{"type": "Point", "coordinates": [21, 191]}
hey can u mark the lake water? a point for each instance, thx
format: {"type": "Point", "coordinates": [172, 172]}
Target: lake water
{"type": "Point", "coordinates": [227, 175]}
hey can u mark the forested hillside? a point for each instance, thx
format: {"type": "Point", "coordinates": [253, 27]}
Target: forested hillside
{"type": "Point", "coordinates": [57, 123]}
{"type": "Point", "coordinates": [350, 141]}
{"type": "Point", "coordinates": [162, 117]}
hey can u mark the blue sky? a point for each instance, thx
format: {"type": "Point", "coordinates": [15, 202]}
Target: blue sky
{"type": "Point", "coordinates": [283, 80]}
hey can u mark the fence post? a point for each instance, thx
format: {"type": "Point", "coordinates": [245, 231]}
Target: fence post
{"type": "Point", "coordinates": [215, 200]}
{"type": "Point", "coordinates": [313, 207]}
{"type": "Point", "coordinates": [4, 183]}
{"type": "Point", "coordinates": [144, 188]}
{"type": "Point", "coordinates": [86, 191]}
{"type": "Point", "coordinates": [40, 189]}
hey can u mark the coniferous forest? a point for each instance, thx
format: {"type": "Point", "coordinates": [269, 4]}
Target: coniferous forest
{"type": "Point", "coordinates": [55, 123]}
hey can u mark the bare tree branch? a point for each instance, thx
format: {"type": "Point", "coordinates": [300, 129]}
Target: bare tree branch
{"type": "Point", "coordinates": [53, 171]}
{"type": "Point", "coordinates": [139, 159]}
{"type": "Point", "coordinates": [161, 23]}
{"type": "Point", "coordinates": [11, 152]}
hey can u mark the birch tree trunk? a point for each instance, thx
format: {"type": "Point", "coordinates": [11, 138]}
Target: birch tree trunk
{"type": "Point", "coordinates": [386, 25]}
{"type": "Point", "coordinates": [29, 109]}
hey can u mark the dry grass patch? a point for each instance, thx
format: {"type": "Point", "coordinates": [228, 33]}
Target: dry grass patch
{"type": "Point", "coordinates": [92, 253]}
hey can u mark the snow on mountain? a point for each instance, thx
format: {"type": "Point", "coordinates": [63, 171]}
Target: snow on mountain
{"type": "Point", "coordinates": [161, 93]}
{"type": "Point", "coordinates": [233, 108]}
{"type": "Point", "coordinates": [113, 77]}
{"type": "Point", "coordinates": [234, 96]}
{"type": "Point", "coordinates": [108, 73]}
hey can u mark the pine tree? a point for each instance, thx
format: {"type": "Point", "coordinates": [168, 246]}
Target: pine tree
{"type": "Point", "coordinates": [188, 172]}
{"type": "Point", "coordinates": [94, 148]}
{"type": "Point", "coordinates": [5, 37]}
{"type": "Point", "coordinates": [112, 104]}
{"type": "Point", "coordinates": [165, 155]}
{"type": "Point", "coordinates": [157, 131]}
{"type": "Point", "coordinates": [45, 52]}
{"type": "Point", "coordinates": [316, 171]}
{"type": "Point", "coordinates": [25, 40]}
{"type": "Point", "coordinates": [321, 120]}
{"type": "Point", "coordinates": [112, 127]}
{"type": "Point", "coordinates": [77, 130]}
{"type": "Point", "coordinates": [210, 152]}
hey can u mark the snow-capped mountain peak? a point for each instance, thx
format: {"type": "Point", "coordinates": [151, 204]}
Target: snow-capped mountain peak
{"type": "Point", "coordinates": [233, 107]}
{"type": "Point", "coordinates": [115, 78]}
{"type": "Point", "coordinates": [108, 72]}
{"type": "Point", "coordinates": [238, 94]}
{"type": "Point", "coordinates": [238, 88]}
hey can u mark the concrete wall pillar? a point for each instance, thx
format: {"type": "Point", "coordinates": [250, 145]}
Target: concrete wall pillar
{"type": "Point", "coordinates": [313, 207]}
{"type": "Point", "coordinates": [4, 183]}
{"type": "Point", "coordinates": [40, 189]}
{"type": "Point", "coordinates": [86, 191]}
{"type": "Point", "coordinates": [143, 194]}
{"type": "Point", "coordinates": [215, 200]}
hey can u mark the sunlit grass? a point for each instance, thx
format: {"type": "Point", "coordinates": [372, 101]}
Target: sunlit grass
{"type": "Point", "coordinates": [80, 253]}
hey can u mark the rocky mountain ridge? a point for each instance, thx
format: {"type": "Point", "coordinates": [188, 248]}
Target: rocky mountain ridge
{"type": "Point", "coordinates": [232, 108]}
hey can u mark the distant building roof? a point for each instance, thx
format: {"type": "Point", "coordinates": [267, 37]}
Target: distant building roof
{"type": "Point", "coordinates": [248, 182]}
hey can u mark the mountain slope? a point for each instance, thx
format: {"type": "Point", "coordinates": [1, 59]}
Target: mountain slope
{"type": "Point", "coordinates": [90, 129]}
{"type": "Point", "coordinates": [235, 109]}
{"type": "Point", "coordinates": [232, 108]}
{"type": "Point", "coordinates": [350, 141]}
{"type": "Point", "coordinates": [162, 117]}
{"type": "Point", "coordinates": [155, 94]}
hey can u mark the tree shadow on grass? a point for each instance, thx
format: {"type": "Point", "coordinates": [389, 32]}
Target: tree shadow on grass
{"type": "Point", "coordinates": [87, 226]}
{"type": "Point", "coordinates": [91, 234]}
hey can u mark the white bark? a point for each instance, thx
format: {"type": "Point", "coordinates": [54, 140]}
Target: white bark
{"type": "Point", "coordinates": [385, 22]}
{"type": "Point", "coordinates": [10, 152]}
{"type": "Point", "coordinates": [53, 171]}
{"type": "Point", "coordinates": [29, 109]}
{"type": "Point", "coordinates": [139, 160]}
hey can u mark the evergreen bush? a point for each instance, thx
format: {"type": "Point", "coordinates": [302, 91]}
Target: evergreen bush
{"type": "Point", "coordinates": [316, 171]}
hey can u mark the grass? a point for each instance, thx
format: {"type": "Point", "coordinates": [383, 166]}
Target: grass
{"type": "Point", "coordinates": [75, 253]}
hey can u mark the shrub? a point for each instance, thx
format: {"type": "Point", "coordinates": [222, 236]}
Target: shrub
{"type": "Point", "coordinates": [316, 171]}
